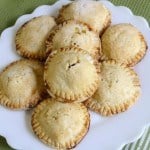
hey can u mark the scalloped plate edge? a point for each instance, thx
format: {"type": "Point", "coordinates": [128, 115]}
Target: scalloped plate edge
{"type": "Point", "coordinates": [139, 18]}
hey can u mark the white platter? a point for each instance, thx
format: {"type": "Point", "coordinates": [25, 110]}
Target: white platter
{"type": "Point", "coordinates": [108, 133]}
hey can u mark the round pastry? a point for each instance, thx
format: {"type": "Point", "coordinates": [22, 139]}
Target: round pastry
{"type": "Point", "coordinates": [118, 89]}
{"type": "Point", "coordinates": [71, 74]}
{"type": "Point", "coordinates": [31, 37]}
{"type": "Point", "coordinates": [74, 34]}
{"type": "Point", "coordinates": [92, 13]}
{"type": "Point", "coordinates": [60, 125]}
{"type": "Point", "coordinates": [123, 43]}
{"type": "Point", "coordinates": [21, 84]}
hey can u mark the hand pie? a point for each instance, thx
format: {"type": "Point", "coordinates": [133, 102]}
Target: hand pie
{"type": "Point", "coordinates": [119, 88]}
{"type": "Point", "coordinates": [74, 34]}
{"type": "Point", "coordinates": [30, 38]}
{"type": "Point", "coordinates": [71, 74]}
{"type": "Point", "coordinates": [124, 44]}
{"type": "Point", "coordinates": [60, 125]}
{"type": "Point", "coordinates": [92, 13]}
{"type": "Point", "coordinates": [21, 84]}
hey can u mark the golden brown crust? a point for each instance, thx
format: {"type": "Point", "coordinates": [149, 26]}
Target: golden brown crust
{"type": "Point", "coordinates": [107, 109]}
{"type": "Point", "coordinates": [27, 52]}
{"type": "Point", "coordinates": [47, 137]}
{"type": "Point", "coordinates": [35, 97]}
{"type": "Point", "coordinates": [75, 49]}
{"type": "Point", "coordinates": [70, 97]}
{"type": "Point", "coordinates": [130, 61]}
{"type": "Point", "coordinates": [96, 52]}
{"type": "Point", "coordinates": [139, 56]}
{"type": "Point", "coordinates": [107, 23]}
{"type": "Point", "coordinates": [61, 18]}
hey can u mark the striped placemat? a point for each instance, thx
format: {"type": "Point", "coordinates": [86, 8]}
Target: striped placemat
{"type": "Point", "coordinates": [10, 10]}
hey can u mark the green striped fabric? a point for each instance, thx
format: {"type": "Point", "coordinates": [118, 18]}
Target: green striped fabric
{"type": "Point", "coordinates": [10, 10]}
{"type": "Point", "coordinates": [142, 144]}
{"type": "Point", "coordinates": [138, 7]}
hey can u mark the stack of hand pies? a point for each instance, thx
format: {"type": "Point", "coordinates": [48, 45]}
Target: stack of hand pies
{"type": "Point", "coordinates": [73, 62]}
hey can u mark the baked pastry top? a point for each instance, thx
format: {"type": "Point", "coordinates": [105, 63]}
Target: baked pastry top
{"type": "Point", "coordinates": [22, 84]}
{"type": "Point", "coordinates": [31, 37]}
{"type": "Point", "coordinates": [123, 43]}
{"type": "Point", "coordinates": [73, 33]}
{"type": "Point", "coordinates": [92, 13]}
{"type": "Point", "coordinates": [119, 88]}
{"type": "Point", "coordinates": [71, 74]}
{"type": "Point", "coordinates": [60, 125]}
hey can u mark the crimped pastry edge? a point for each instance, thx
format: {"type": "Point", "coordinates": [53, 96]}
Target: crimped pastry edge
{"type": "Point", "coordinates": [26, 105]}
{"type": "Point", "coordinates": [55, 30]}
{"type": "Point", "coordinates": [37, 129]}
{"type": "Point", "coordinates": [63, 96]}
{"type": "Point", "coordinates": [130, 62]}
{"type": "Point", "coordinates": [107, 22]}
{"type": "Point", "coordinates": [107, 110]}
{"type": "Point", "coordinates": [23, 51]}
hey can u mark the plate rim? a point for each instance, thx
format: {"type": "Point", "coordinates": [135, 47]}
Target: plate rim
{"type": "Point", "coordinates": [140, 18]}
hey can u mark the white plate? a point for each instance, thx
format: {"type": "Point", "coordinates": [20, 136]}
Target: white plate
{"type": "Point", "coordinates": [106, 133]}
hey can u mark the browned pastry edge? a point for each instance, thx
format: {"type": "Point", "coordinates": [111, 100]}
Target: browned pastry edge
{"type": "Point", "coordinates": [49, 41]}
{"type": "Point", "coordinates": [23, 51]}
{"type": "Point", "coordinates": [64, 97]}
{"type": "Point", "coordinates": [4, 100]}
{"type": "Point", "coordinates": [61, 19]}
{"type": "Point", "coordinates": [107, 110]}
{"type": "Point", "coordinates": [51, 142]}
{"type": "Point", "coordinates": [130, 62]}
